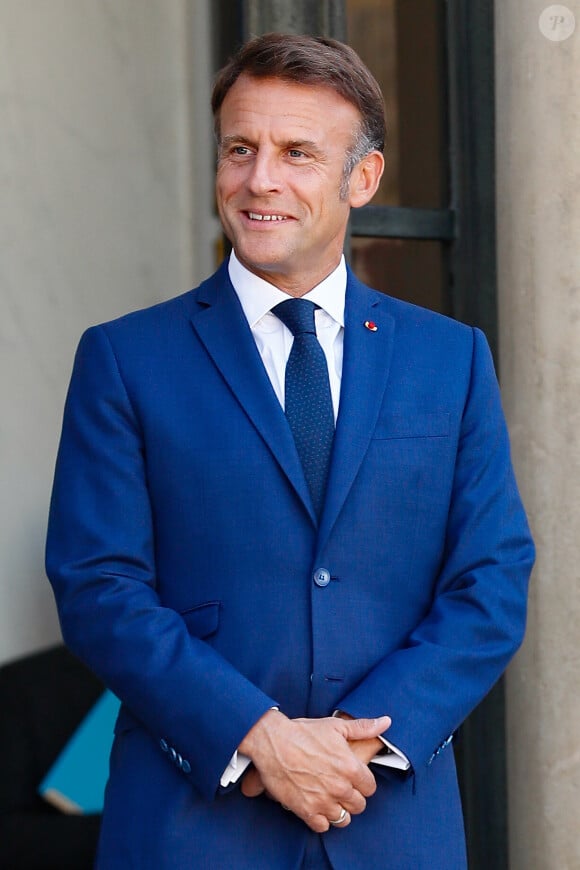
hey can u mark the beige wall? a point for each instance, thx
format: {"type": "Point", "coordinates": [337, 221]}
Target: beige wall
{"type": "Point", "coordinates": [105, 191]}
{"type": "Point", "coordinates": [538, 136]}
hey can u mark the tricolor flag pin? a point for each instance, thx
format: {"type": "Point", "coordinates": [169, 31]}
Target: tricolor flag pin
{"type": "Point", "coordinates": [370, 324]}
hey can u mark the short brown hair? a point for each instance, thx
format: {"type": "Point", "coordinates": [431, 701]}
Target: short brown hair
{"type": "Point", "coordinates": [311, 60]}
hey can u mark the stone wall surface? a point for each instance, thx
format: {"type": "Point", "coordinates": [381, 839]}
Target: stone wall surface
{"type": "Point", "coordinates": [105, 185]}
{"type": "Point", "coordinates": [538, 151]}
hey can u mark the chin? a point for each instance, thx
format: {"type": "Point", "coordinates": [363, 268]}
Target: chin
{"type": "Point", "coordinates": [263, 260]}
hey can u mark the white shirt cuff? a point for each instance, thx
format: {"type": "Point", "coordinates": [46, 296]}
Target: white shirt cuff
{"type": "Point", "coordinates": [393, 758]}
{"type": "Point", "coordinates": [238, 764]}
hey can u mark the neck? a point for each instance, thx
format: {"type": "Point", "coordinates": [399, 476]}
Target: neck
{"type": "Point", "coordinates": [296, 285]}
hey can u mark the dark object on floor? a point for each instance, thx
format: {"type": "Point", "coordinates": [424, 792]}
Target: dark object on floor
{"type": "Point", "coordinates": [43, 698]}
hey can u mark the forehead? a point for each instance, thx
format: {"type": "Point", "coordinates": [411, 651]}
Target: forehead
{"type": "Point", "coordinates": [286, 108]}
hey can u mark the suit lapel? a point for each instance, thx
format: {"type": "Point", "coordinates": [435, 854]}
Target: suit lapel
{"type": "Point", "coordinates": [220, 324]}
{"type": "Point", "coordinates": [366, 363]}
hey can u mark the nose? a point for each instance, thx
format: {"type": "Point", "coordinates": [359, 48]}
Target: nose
{"type": "Point", "coordinates": [265, 174]}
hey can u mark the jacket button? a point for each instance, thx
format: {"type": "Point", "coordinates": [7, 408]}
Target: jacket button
{"type": "Point", "coordinates": [321, 577]}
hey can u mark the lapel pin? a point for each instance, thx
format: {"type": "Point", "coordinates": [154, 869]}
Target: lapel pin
{"type": "Point", "coordinates": [370, 324]}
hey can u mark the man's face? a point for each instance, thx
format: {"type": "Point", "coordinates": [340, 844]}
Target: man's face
{"type": "Point", "coordinates": [283, 148]}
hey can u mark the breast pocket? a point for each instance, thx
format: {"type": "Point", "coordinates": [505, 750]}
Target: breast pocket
{"type": "Point", "coordinates": [410, 467]}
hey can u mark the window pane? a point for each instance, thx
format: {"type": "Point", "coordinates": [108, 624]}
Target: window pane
{"type": "Point", "coordinates": [411, 270]}
{"type": "Point", "coordinates": [402, 42]}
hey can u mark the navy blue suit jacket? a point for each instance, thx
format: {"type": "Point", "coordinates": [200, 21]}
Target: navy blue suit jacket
{"type": "Point", "coordinates": [182, 546]}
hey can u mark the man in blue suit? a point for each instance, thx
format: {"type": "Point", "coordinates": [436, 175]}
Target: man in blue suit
{"type": "Point", "coordinates": [263, 589]}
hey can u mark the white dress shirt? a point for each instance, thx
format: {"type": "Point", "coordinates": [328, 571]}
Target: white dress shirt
{"type": "Point", "coordinates": [274, 342]}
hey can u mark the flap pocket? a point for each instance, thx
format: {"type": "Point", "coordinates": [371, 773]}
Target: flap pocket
{"type": "Point", "coordinates": [125, 721]}
{"type": "Point", "coordinates": [203, 620]}
{"type": "Point", "coordinates": [434, 425]}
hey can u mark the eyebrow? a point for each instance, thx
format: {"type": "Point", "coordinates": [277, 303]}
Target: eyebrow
{"type": "Point", "coordinates": [307, 144]}
{"type": "Point", "coordinates": [237, 140]}
{"type": "Point", "coordinates": [300, 144]}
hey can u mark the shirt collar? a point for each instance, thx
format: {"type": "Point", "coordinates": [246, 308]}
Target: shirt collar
{"type": "Point", "coordinates": [257, 297]}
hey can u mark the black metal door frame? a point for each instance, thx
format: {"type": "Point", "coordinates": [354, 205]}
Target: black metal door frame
{"type": "Point", "coordinates": [466, 227]}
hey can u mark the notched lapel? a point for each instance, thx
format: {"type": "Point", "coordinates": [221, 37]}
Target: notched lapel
{"type": "Point", "coordinates": [365, 371]}
{"type": "Point", "coordinates": [219, 321]}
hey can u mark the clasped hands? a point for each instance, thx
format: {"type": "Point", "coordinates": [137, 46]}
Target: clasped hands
{"type": "Point", "coordinates": [314, 767]}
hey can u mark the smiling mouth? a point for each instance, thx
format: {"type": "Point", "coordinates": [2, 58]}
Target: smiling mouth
{"type": "Point", "coordinates": [255, 216]}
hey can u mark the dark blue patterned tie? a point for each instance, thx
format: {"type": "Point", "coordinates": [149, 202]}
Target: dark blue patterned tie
{"type": "Point", "coordinates": [307, 400]}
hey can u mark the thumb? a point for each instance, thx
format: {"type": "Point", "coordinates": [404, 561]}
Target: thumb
{"type": "Point", "coordinates": [362, 729]}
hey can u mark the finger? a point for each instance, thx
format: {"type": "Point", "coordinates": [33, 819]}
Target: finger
{"type": "Point", "coordinates": [364, 781]}
{"type": "Point", "coordinates": [252, 784]}
{"type": "Point", "coordinates": [362, 729]}
{"type": "Point", "coordinates": [333, 821]}
{"type": "Point", "coordinates": [365, 750]}
{"type": "Point", "coordinates": [317, 823]}
{"type": "Point", "coordinates": [354, 805]}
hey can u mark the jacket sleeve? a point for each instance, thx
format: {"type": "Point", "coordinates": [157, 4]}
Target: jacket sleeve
{"type": "Point", "coordinates": [101, 562]}
{"type": "Point", "coordinates": [477, 618]}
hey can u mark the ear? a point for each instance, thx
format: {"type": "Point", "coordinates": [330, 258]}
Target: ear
{"type": "Point", "coordinates": [365, 178]}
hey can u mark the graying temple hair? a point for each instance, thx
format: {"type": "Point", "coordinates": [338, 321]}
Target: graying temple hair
{"type": "Point", "coordinates": [361, 146]}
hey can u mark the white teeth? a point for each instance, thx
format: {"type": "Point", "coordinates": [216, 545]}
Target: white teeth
{"type": "Point", "coordinates": [265, 217]}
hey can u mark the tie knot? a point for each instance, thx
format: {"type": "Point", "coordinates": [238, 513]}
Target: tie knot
{"type": "Point", "coordinates": [297, 315]}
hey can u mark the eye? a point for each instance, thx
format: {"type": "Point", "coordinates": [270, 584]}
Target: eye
{"type": "Point", "coordinates": [295, 152]}
{"type": "Point", "coordinates": [241, 150]}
